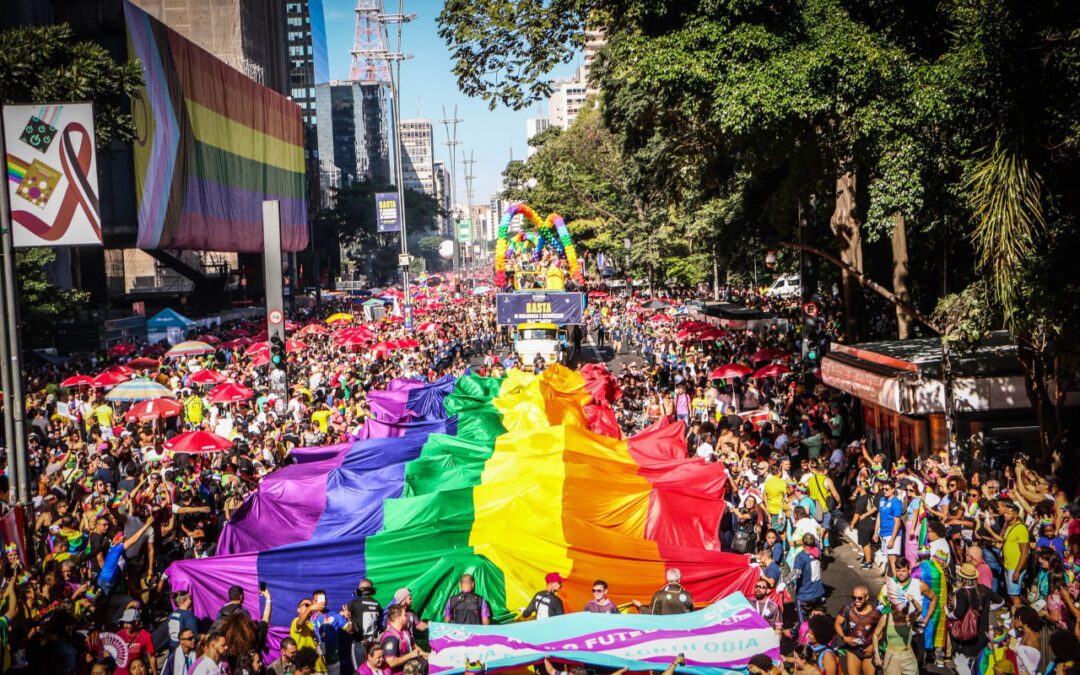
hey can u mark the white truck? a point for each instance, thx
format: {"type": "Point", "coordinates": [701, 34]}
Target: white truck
{"type": "Point", "coordinates": [539, 339]}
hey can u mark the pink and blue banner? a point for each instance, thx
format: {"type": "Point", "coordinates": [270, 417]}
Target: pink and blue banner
{"type": "Point", "coordinates": [718, 639]}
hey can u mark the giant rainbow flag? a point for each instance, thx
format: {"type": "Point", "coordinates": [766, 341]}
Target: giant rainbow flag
{"type": "Point", "coordinates": [212, 145]}
{"type": "Point", "coordinates": [503, 478]}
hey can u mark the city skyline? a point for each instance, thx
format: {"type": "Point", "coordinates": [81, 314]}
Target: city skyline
{"type": "Point", "coordinates": [428, 85]}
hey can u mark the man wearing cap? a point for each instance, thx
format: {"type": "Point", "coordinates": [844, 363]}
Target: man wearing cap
{"type": "Point", "coordinates": [1014, 551]}
{"type": "Point", "coordinates": [547, 603]}
{"type": "Point", "coordinates": [137, 640]}
{"type": "Point", "coordinates": [367, 616]}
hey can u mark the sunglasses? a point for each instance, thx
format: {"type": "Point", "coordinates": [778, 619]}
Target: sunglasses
{"type": "Point", "coordinates": [187, 637]}
{"type": "Point", "coordinates": [598, 590]}
{"type": "Point", "coordinates": [762, 586]}
{"type": "Point", "coordinates": [858, 597]}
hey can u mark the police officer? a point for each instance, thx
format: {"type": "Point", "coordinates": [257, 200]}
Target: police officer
{"type": "Point", "coordinates": [467, 607]}
{"type": "Point", "coordinates": [367, 619]}
{"type": "Point", "coordinates": [546, 603]}
{"type": "Point", "coordinates": [671, 599]}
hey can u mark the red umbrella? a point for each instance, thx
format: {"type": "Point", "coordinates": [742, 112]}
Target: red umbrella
{"type": "Point", "coordinates": [238, 333]}
{"type": "Point", "coordinates": [152, 350]}
{"type": "Point", "coordinates": [154, 409]}
{"type": "Point", "coordinates": [122, 349]}
{"type": "Point", "coordinates": [427, 327]}
{"type": "Point", "coordinates": [459, 301]}
{"type": "Point", "coordinates": [730, 371]}
{"type": "Point", "coordinates": [143, 363]}
{"type": "Point", "coordinates": [198, 441]}
{"type": "Point", "coordinates": [207, 377]}
{"type": "Point", "coordinates": [384, 346]}
{"type": "Point", "coordinates": [768, 354]}
{"type": "Point", "coordinates": [291, 325]}
{"type": "Point", "coordinates": [660, 318]}
{"type": "Point", "coordinates": [774, 370]}
{"type": "Point", "coordinates": [352, 341]}
{"type": "Point", "coordinates": [408, 343]}
{"type": "Point", "coordinates": [229, 392]}
{"type": "Point", "coordinates": [313, 329]}
{"type": "Point", "coordinates": [78, 381]}
{"type": "Point", "coordinates": [117, 368]}
{"type": "Point", "coordinates": [237, 343]}
{"type": "Point", "coordinates": [712, 333]}
{"type": "Point", "coordinates": [110, 378]}
{"type": "Point", "coordinates": [260, 359]}
{"type": "Point", "coordinates": [209, 339]}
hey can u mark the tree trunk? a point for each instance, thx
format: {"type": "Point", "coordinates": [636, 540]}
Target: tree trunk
{"type": "Point", "coordinates": [847, 229]}
{"type": "Point", "coordinates": [904, 321]}
{"type": "Point", "coordinates": [715, 276]}
{"type": "Point", "coordinates": [1038, 382]}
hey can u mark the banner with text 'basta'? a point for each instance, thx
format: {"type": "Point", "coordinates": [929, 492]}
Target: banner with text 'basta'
{"type": "Point", "coordinates": [502, 478]}
{"type": "Point", "coordinates": [212, 145]}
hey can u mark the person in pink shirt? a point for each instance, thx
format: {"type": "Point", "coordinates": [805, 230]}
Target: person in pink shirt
{"type": "Point", "coordinates": [974, 556]}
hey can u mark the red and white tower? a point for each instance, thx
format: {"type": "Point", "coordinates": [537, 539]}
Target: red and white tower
{"type": "Point", "coordinates": [370, 58]}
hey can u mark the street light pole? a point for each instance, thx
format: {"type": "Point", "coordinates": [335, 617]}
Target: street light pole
{"type": "Point", "coordinates": [395, 93]}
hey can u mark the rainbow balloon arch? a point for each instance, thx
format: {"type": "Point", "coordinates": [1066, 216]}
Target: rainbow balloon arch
{"type": "Point", "coordinates": [550, 234]}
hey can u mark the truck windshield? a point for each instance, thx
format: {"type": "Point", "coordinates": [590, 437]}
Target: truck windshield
{"type": "Point", "coordinates": [536, 334]}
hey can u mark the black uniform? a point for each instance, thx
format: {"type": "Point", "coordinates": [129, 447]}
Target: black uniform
{"type": "Point", "coordinates": [467, 608]}
{"type": "Point", "coordinates": [671, 599]}
{"type": "Point", "coordinates": [544, 604]}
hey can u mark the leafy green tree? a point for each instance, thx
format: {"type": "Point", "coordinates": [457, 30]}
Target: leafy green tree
{"type": "Point", "coordinates": [47, 63]}
{"type": "Point", "coordinates": [354, 217]}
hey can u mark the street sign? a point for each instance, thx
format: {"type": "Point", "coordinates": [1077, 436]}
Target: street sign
{"type": "Point", "coordinates": [388, 212]}
{"type": "Point", "coordinates": [464, 231]}
{"type": "Point", "coordinates": [563, 309]}
{"type": "Point", "coordinates": [276, 316]}
{"type": "Point", "coordinates": [810, 309]}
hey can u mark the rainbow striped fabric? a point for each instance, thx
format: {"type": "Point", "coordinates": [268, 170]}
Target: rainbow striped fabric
{"type": "Point", "coordinates": [213, 145]}
{"type": "Point", "coordinates": [500, 478]}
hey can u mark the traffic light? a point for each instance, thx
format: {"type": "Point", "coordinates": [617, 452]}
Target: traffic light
{"type": "Point", "coordinates": [277, 353]}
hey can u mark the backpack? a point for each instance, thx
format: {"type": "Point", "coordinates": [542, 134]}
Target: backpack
{"type": "Point", "coordinates": [740, 541]}
{"type": "Point", "coordinates": [966, 628]}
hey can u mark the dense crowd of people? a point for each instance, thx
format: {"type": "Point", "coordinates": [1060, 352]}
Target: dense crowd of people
{"type": "Point", "coordinates": [978, 568]}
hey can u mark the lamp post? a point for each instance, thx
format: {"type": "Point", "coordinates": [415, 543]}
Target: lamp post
{"type": "Point", "coordinates": [395, 90]}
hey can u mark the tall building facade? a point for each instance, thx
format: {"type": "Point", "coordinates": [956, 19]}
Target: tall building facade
{"type": "Point", "coordinates": [418, 156]}
{"type": "Point", "coordinates": [482, 222]}
{"type": "Point", "coordinates": [377, 131]}
{"type": "Point", "coordinates": [308, 65]}
{"type": "Point", "coordinates": [343, 132]}
{"type": "Point", "coordinates": [249, 35]}
{"type": "Point", "coordinates": [533, 127]}
{"type": "Point", "coordinates": [498, 208]}
{"type": "Point", "coordinates": [594, 42]}
{"type": "Point", "coordinates": [567, 99]}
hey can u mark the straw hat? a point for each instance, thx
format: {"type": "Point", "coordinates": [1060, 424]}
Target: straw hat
{"type": "Point", "coordinates": [967, 571]}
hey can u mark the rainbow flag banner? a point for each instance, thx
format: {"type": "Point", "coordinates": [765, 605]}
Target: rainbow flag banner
{"type": "Point", "coordinates": [500, 478]}
{"type": "Point", "coordinates": [213, 144]}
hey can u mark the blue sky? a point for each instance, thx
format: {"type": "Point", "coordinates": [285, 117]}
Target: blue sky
{"type": "Point", "coordinates": [428, 84]}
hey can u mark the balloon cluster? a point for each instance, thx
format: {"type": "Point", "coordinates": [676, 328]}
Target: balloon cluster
{"type": "Point", "coordinates": [550, 233]}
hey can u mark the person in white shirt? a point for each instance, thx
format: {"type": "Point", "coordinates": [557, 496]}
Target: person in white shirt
{"type": "Point", "coordinates": [705, 451]}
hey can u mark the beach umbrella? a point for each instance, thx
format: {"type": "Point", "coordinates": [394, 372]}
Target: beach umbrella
{"type": "Point", "coordinates": [313, 329]}
{"type": "Point", "coordinates": [153, 409]}
{"type": "Point", "coordinates": [730, 371]}
{"type": "Point", "coordinates": [340, 317]}
{"type": "Point", "coordinates": [237, 343]}
{"type": "Point", "coordinates": [198, 441]}
{"type": "Point", "coordinates": [352, 341]}
{"type": "Point", "coordinates": [152, 350]}
{"type": "Point", "coordinates": [237, 333]}
{"type": "Point", "coordinates": [768, 354]}
{"type": "Point", "coordinates": [209, 339]}
{"type": "Point", "coordinates": [712, 333]}
{"type": "Point", "coordinates": [189, 348]}
{"type": "Point", "coordinates": [78, 381]}
{"type": "Point", "coordinates": [427, 327]}
{"type": "Point", "coordinates": [260, 359]}
{"type": "Point", "coordinates": [143, 363]}
{"type": "Point", "coordinates": [207, 377]}
{"type": "Point", "coordinates": [408, 343]}
{"type": "Point", "coordinates": [655, 304]}
{"type": "Point", "coordinates": [660, 318]}
{"type": "Point", "coordinates": [110, 378]}
{"type": "Point", "coordinates": [773, 370]}
{"type": "Point", "coordinates": [140, 389]}
{"type": "Point", "coordinates": [229, 392]}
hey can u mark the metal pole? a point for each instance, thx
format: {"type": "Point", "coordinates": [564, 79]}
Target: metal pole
{"type": "Point", "coordinates": [396, 121]}
{"type": "Point", "coordinates": [14, 399]}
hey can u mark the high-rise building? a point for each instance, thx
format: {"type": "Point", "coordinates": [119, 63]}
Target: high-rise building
{"type": "Point", "coordinates": [418, 156]}
{"type": "Point", "coordinates": [442, 196]}
{"type": "Point", "coordinates": [567, 98]}
{"type": "Point", "coordinates": [343, 131]}
{"type": "Point", "coordinates": [594, 42]}
{"type": "Point", "coordinates": [249, 35]}
{"type": "Point", "coordinates": [533, 127]}
{"type": "Point", "coordinates": [481, 220]}
{"type": "Point", "coordinates": [308, 66]}
{"type": "Point", "coordinates": [352, 133]}
{"type": "Point", "coordinates": [498, 208]}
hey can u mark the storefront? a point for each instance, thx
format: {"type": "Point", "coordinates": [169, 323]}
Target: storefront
{"type": "Point", "coordinates": [903, 397]}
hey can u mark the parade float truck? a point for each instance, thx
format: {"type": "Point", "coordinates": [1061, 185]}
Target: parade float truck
{"type": "Point", "coordinates": [533, 267]}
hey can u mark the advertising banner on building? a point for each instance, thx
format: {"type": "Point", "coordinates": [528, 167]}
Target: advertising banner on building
{"type": "Point", "coordinates": [563, 309]}
{"type": "Point", "coordinates": [212, 145]}
{"type": "Point", "coordinates": [387, 212]}
{"type": "Point", "coordinates": [52, 174]}
{"type": "Point", "coordinates": [720, 638]}
{"type": "Point", "coordinates": [464, 231]}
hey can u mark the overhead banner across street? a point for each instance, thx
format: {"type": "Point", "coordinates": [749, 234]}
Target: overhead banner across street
{"type": "Point", "coordinates": [558, 308]}
{"type": "Point", "coordinates": [722, 636]}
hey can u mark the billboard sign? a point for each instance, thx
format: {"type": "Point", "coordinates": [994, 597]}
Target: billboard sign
{"type": "Point", "coordinates": [559, 308]}
{"type": "Point", "coordinates": [387, 212]}
{"type": "Point", "coordinates": [52, 174]}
